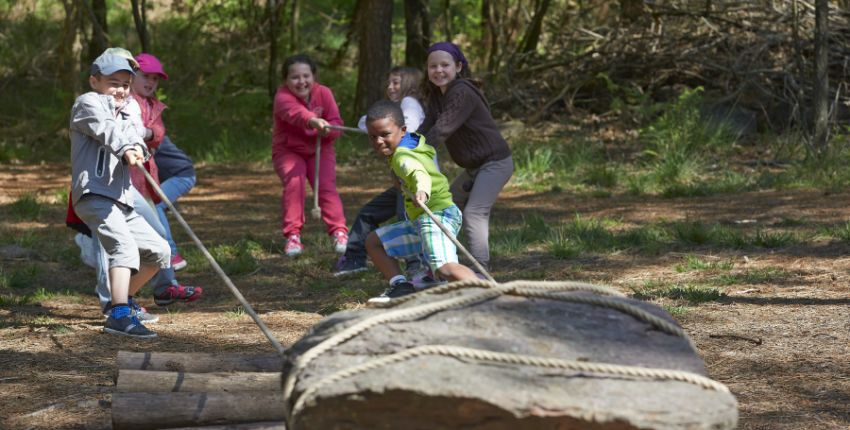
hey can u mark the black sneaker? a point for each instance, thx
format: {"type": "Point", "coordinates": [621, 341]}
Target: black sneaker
{"type": "Point", "coordinates": [398, 290]}
{"type": "Point", "coordinates": [346, 266]}
{"type": "Point", "coordinates": [127, 326]}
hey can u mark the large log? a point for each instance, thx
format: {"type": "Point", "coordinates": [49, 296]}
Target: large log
{"type": "Point", "coordinates": [199, 362]}
{"type": "Point", "coordinates": [439, 391]}
{"type": "Point", "coordinates": [143, 381]}
{"type": "Point", "coordinates": [249, 426]}
{"type": "Point", "coordinates": [142, 411]}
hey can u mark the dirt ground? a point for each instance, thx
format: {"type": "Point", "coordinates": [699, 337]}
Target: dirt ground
{"type": "Point", "coordinates": [782, 347]}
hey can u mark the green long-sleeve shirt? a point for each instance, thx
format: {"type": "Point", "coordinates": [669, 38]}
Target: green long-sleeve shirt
{"type": "Point", "coordinates": [413, 163]}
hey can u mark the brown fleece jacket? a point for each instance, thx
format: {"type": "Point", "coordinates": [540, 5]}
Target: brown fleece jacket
{"type": "Point", "coordinates": [461, 118]}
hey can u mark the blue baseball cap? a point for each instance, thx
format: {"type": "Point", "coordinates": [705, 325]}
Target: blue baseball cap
{"type": "Point", "coordinates": [108, 64]}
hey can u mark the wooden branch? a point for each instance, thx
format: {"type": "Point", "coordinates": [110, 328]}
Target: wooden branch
{"type": "Point", "coordinates": [134, 411]}
{"type": "Point", "coordinates": [141, 381]}
{"type": "Point", "coordinates": [199, 362]}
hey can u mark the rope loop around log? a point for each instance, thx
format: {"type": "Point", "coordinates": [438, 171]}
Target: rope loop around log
{"type": "Point", "coordinates": [505, 358]}
{"type": "Point", "coordinates": [606, 297]}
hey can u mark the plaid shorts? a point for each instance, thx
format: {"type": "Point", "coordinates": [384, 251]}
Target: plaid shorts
{"type": "Point", "coordinates": [422, 236]}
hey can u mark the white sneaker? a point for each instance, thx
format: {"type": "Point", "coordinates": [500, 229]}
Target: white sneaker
{"type": "Point", "coordinates": [87, 253]}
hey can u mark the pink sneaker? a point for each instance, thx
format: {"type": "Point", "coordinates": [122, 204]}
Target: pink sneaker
{"type": "Point", "coordinates": [176, 293]}
{"type": "Point", "coordinates": [340, 241]}
{"type": "Point", "coordinates": [177, 262]}
{"type": "Point", "coordinates": [293, 246]}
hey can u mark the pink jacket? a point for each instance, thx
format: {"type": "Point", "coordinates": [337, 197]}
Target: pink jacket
{"type": "Point", "coordinates": [152, 119]}
{"type": "Point", "coordinates": [291, 115]}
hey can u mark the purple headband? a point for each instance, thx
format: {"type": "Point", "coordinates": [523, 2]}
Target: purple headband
{"type": "Point", "coordinates": [452, 49]}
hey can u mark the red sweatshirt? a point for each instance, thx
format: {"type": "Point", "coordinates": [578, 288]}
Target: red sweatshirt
{"type": "Point", "coordinates": [291, 115]}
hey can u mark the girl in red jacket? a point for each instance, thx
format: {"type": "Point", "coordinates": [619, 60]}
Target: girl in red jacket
{"type": "Point", "coordinates": [303, 109]}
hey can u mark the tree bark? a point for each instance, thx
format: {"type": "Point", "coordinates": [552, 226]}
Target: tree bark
{"type": "Point", "coordinates": [169, 410]}
{"type": "Point", "coordinates": [99, 29]}
{"type": "Point", "coordinates": [274, 8]}
{"type": "Point", "coordinates": [418, 29]}
{"type": "Point", "coordinates": [294, 16]}
{"type": "Point", "coordinates": [532, 33]}
{"type": "Point", "coordinates": [68, 66]}
{"type": "Point", "coordinates": [374, 53]}
{"type": "Point", "coordinates": [145, 381]}
{"type": "Point", "coordinates": [447, 20]}
{"type": "Point", "coordinates": [199, 362]}
{"type": "Point", "coordinates": [141, 21]}
{"type": "Point", "coordinates": [821, 77]}
{"type": "Point", "coordinates": [489, 34]}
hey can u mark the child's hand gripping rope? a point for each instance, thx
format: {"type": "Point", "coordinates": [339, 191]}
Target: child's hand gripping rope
{"type": "Point", "coordinates": [420, 201]}
{"type": "Point", "coordinates": [316, 212]}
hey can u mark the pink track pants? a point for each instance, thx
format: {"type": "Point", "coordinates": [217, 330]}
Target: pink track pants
{"type": "Point", "coordinates": [294, 170]}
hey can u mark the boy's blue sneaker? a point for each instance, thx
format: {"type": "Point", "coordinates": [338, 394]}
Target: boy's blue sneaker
{"type": "Point", "coordinates": [141, 313]}
{"type": "Point", "coordinates": [346, 266]}
{"type": "Point", "coordinates": [127, 326]}
{"type": "Point", "coordinates": [398, 290]}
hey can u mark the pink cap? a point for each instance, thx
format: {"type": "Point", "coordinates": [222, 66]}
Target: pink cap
{"type": "Point", "coordinates": [150, 64]}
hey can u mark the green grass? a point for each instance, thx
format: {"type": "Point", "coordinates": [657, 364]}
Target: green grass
{"type": "Point", "coordinates": [239, 258]}
{"type": "Point", "coordinates": [26, 207]}
{"type": "Point", "coordinates": [235, 313]}
{"type": "Point", "coordinates": [692, 263]}
{"type": "Point", "coordinates": [765, 275]}
{"type": "Point", "coordinates": [692, 293]}
{"type": "Point", "coordinates": [20, 278]}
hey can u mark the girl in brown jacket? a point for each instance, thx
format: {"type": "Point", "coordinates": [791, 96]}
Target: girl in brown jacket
{"type": "Point", "coordinates": [457, 114]}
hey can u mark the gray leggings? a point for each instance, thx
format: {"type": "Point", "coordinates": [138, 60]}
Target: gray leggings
{"type": "Point", "coordinates": [475, 192]}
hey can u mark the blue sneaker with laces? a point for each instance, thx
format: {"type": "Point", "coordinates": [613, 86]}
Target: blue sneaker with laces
{"type": "Point", "coordinates": [123, 322]}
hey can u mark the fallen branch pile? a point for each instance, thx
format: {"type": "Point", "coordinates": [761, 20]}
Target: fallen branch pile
{"type": "Point", "coordinates": [757, 55]}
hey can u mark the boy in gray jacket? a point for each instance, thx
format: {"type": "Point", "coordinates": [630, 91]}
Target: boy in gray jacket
{"type": "Point", "coordinates": [104, 146]}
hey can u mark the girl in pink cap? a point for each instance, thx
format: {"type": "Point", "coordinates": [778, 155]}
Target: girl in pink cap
{"type": "Point", "coordinates": [169, 165]}
{"type": "Point", "coordinates": [303, 109]}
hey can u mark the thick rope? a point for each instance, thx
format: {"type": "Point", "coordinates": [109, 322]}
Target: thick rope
{"type": "Point", "coordinates": [491, 291]}
{"type": "Point", "coordinates": [514, 359]}
{"type": "Point", "coordinates": [245, 305]}
{"type": "Point", "coordinates": [480, 283]}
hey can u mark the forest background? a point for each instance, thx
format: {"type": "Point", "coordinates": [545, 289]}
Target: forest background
{"type": "Point", "coordinates": [677, 88]}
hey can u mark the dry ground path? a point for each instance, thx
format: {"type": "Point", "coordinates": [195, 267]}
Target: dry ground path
{"type": "Point", "coordinates": [781, 344]}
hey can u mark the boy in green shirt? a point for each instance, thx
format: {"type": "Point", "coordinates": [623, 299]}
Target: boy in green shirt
{"type": "Point", "coordinates": [412, 163]}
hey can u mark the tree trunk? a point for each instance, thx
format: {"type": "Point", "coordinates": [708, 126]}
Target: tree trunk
{"type": "Point", "coordinates": [68, 67]}
{"type": "Point", "coordinates": [99, 30]}
{"type": "Point", "coordinates": [418, 30]}
{"type": "Point", "coordinates": [274, 8]}
{"type": "Point", "coordinates": [447, 20]}
{"type": "Point", "coordinates": [489, 34]}
{"type": "Point", "coordinates": [374, 53]}
{"type": "Point", "coordinates": [532, 33]}
{"type": "Point", "coordinates": [294, 43]}
{"type": "Point", "coordinates": [141, 21]}
{"type": "Point", "coordinates": [821, 81]}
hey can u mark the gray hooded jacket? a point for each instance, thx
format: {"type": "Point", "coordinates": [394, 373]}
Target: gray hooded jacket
{"type": "Point", "coordinates": [99, 138]}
